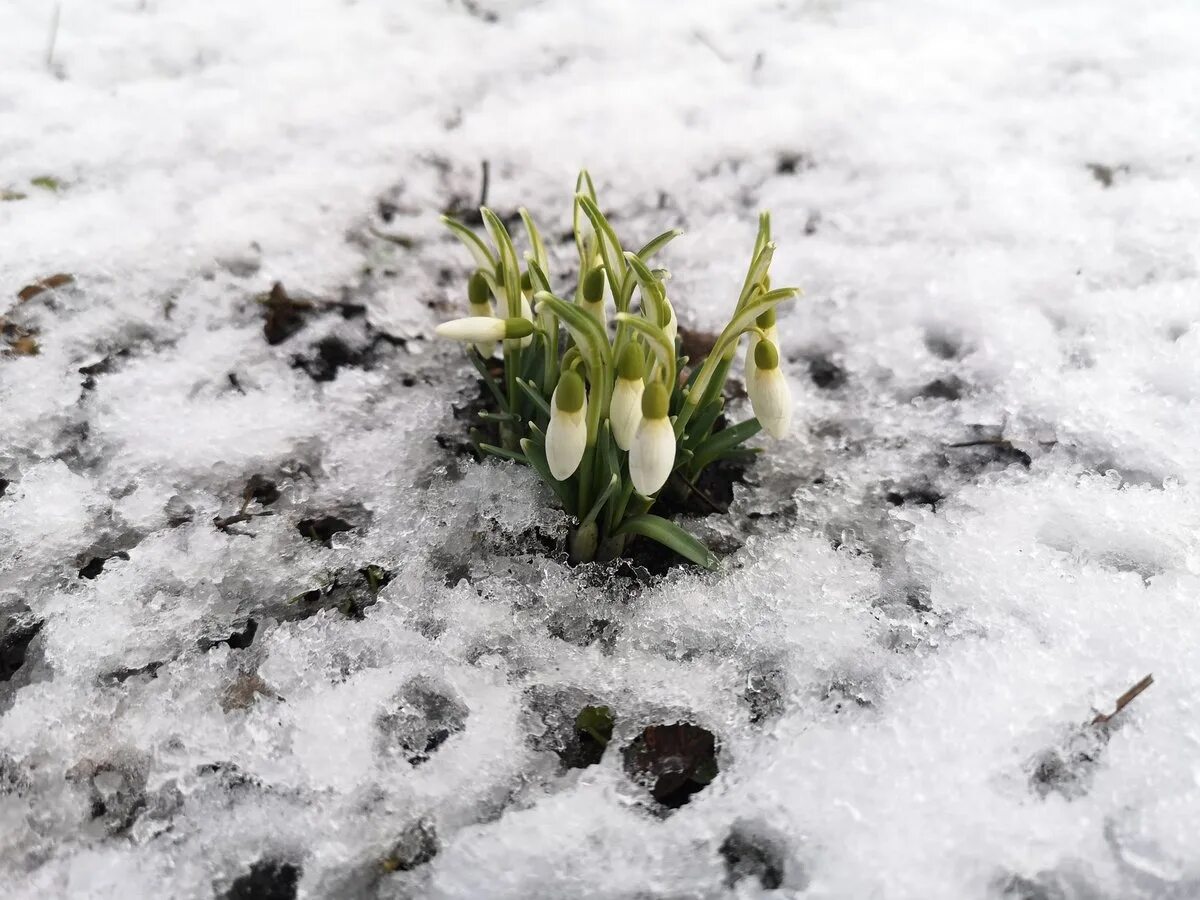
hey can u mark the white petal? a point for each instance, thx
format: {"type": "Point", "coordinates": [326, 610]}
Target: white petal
{"type": "Point", "coordinates": [772, 401]}
{"type": "Point", "coordinates": [472, 329]}
{"type": "Point", "coordinates": [625, 410]}
{"type": "Point", "coordinates": [652, 456]}
{"type": "Point", "coordinates": [527, 313]}
{"type": "Point", "coordinates": [566, 438]}
{"type": "Point", "coordinates": [672, 327]}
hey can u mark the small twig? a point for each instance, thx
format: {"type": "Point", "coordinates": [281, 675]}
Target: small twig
{"type": "Point", "coordinates": [483, 187]}
{"type": "Point", "coordinates": [1124, 700]}
{"type": "Point", "coordinates": [712, 504]}
{"type": "Point", "coordinates": [53, 36]}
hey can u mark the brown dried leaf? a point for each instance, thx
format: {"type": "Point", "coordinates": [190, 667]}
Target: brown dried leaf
{"type": "Point", "coordinates": [49, 283]}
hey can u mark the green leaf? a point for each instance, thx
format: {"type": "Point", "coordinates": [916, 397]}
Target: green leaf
{"type": "Point", "coordinates": [586, 330]}
{"type": "Point", "coordinates": [535, 239]}
{"type": "Point", "coordinates": [484, 258]}
{"type": "Point", "coordinates": [655, 336]}
{"type": "Point", "coordinates": [610, 245]}
{"type": "Point", "coordinates": [754, 275]}
{"type": "Point", "coordinates": [534, 394]}
{"type": "Point", "coordinates": [723, 440]}
{"type": "Point", "coordinates": [47, 183]}
{"type": "Point", "coordinates": [657, 243]}
{"type": "Point", "coordinates": [653, 291]}
{"type": "Point", "coordinates": [671, 536]}
{"type": "Point", "coordinates": [503, 454]}
{"type": "Point", "coordinates": [596, 721]}
{"type": "Point", "coordinates": [535, 453]}
{"type": "Point", "coordinates": [745, 318]}
{"type": "Point", "coordinates": [702, 422]}
{"type": "Point", "coordinates": [608, 491]}
{"type": "Point", "coordinates": [481, 366]}
{"type": "Point", "coordinates": [510, 267]}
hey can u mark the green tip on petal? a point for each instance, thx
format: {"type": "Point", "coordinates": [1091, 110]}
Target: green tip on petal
{"type": "Point", "coordinates": [517, 328]}
{"type": "Point", "coordinates": [655, 401]}
{"type": "Point", "coordinates": [767, 319]}
{"type": "Point", "coordinates": [569, 395]}
{"type": "Point", "coordinates": [478, 291]}
{"type": "Point", "coordinates": [593, 286]}
{"type": "Point", "coordinates": [631, 365]}
{"type": "Point", "coordinates": [765, 355]}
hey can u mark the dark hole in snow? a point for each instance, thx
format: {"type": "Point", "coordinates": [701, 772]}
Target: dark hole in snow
{"type": "Point", "coordinates": [791, 163]}
{"type": "Point", "coordinates": [14, 642]}
{"type": "Point", "coordinates": [812, 223]}
{"type": "Point", "coordinates": [120, 676]}
{"type": "Point", "coordinates": [748, 853]}
{"type": "Point", "coordinates": [673, 761]}
{"type": "Point", "coordinates": [262, 489]}
{"type": "Point", "coordinates": [1042, 887]}
{"type": "Point", "coordinates": [825, 373]}
{"type": "Point", "coordinates": [420, 718]}
{"type": "Point", "coordinates": [764, 695]}
{"type": "Point", "coordinates": [942, 346]}
{"type": "Point", "coordinates": [323, 528]}
{"type": "Point", "coordinates": [949, 388]}
{"type": "Point", "coordinates": [237, 640]}
{"type": "Point", "coordinates": [570, 723]}
{"type": "Point", "coordinates": [284, 316]}
{"type": "Point", "coordinates": [417, 845]}
{"type": "Point", "coordinates": [268, 879]}
{"type": "Point", "coordinates": [330, 354]}
{"type": "Point", "coordinates": [95, 565]}
{"type": "Point", "coordinates": [915, 497]}
{"type": "Point", "coordinates": [4, 483]}
{"type": "Point", "coordinates": [103, 367]}
{"type": "Point", "coordinates": [1106, 174]}
{"type": "Point", "coordinates": [116, 792]}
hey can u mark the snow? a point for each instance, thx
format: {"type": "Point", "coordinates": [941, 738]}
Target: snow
{"type": "Point", "coordinates": [992, 209]}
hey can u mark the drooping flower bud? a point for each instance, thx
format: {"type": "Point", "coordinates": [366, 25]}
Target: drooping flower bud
{"type": "Point", "coordinates": [566, 435]}
{"type": "Point", "coordinates": [766, 323]}
{"type": "Point", "coordinates": [479, 299]}
{"type": "Point", "coordinates": [625, 408]}
{"type": "Point", "coordinates": [484, 329]}
{"type": "Point", "coordinates": [593, 296]}
{"type": "Point", "coordinates": [652, 456]}
{"type": "Point", "coordinates": [769, 393]}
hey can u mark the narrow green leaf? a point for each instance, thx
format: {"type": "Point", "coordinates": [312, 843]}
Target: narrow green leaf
{"type": "Point", "coordinates": [610, 245]}
{"type": "Point", "coordinates": [608, 491]}
{"type": "Point", "coordinates": [586, 330]}
{"type": "Point", "coordinates": [745, 318]}
{"type": "Point", "coordinates": [484, 258]}
{"type": "Point", "coordinates": [534, 394]}
{"type": "Point", "coordinates": [510, 267]}
{"type": "Point", "coordinates": [503, 454]}
{"type": "Point", "coordinates": [671, 536]}
{"type": "Point", "coordinates": [655, 244]}
{"type": "Point", "coordinates": [481, 366]}
{"type": "Point", "coordinates": [535, 240]}
{"type": "Point", "coordinates": [702, 423]}
{"type": "Point", "coordinates": [754, 275]}
{"type": "Point", "coordinates": [724, 440]}
{"type": "Point", "coordinates": [498, 417]}
{"type": "Point", "coordinates": [653, 292]}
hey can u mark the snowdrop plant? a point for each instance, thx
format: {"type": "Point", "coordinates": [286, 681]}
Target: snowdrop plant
{"type": "Point", "coordinates": [590, 386]}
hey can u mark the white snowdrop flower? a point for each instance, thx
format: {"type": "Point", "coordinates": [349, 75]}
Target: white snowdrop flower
{"type": "Point", "coordinates": [671, 329]}
{"type": "Point", "coordinates": [769, 392]}
{"type": "Point", "coordinates": [479, 299]}
{"type": "Point", "coordinates": [766, 322]}
{"type": "Point", "coordinates": [592, 300]}
{"type": "Point", "coordinates": [566, 436]}
{"type": "Point", "coordinates": [625, 408]}
{"type": "Point", "coordinates": [652, 456]}
{"type": "Point", "coordinates": [484, 329]}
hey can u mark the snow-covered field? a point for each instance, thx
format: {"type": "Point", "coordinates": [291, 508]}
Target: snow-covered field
{"type": "Point", "coordinates": [994, 210]}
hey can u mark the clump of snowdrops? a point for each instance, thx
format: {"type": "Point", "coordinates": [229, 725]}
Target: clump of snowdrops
{"type": "Point", "coordinates": [595, 394]}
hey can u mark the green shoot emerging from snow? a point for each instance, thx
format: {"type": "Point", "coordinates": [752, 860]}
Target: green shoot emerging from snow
{"type": "Point", "coordinates": [595, 395]}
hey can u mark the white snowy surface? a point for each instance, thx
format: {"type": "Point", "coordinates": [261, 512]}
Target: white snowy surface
{"type": "Point", "coordinates": [1001, 200]}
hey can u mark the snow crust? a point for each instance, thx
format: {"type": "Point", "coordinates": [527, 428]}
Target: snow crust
{"type": "Point", "coordinates": [993, 209]}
